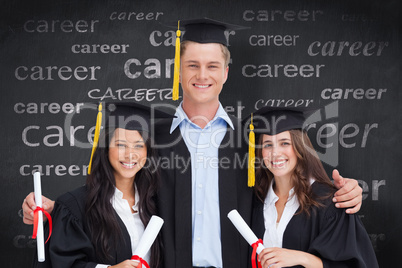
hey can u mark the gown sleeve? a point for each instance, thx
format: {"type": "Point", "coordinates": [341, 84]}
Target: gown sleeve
{"type": "Point", "coordinates": [70, 245]}
{"type": "Point", "coordinates": [342, 240]}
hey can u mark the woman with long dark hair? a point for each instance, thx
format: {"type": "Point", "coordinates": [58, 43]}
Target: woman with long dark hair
{"type": "Point", "coordinates": [292, 210]}
{"type": "Point", "coordinates": [100, 224]}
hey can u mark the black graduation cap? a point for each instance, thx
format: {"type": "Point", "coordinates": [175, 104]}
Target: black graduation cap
{"type": "Point", "coordinates": [272, 121]}
{"type": "Point", "coordinates": [132, 116]}
{"type": "Point", "coordinates": [203, 30]}
{"type": "Point", "coordinates": [126, 115]}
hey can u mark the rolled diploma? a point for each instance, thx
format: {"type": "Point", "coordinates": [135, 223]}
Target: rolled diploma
{"type": "Point", "coordinates": [148, 238]}
{"type": "Point", "coordinates": [38, 199]}
{"type": "Point", "coordinates": [244, 229]}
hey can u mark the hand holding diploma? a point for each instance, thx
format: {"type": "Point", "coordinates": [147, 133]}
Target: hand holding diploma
{"type": "Point", "coordinates": [38, 219]}
{"type": "Point", "coordinates": [147, 239]}
{"type": "Point", "coordinates": [29, 206]}
{"type": "Point", "coordinates": [247, 233]}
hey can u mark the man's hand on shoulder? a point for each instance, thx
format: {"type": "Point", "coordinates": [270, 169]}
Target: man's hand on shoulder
{"type": "Point", "coordinates": [349, 194]}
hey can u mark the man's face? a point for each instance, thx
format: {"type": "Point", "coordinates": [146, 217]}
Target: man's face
{"type": "Point", "coordinates": [203, 73]}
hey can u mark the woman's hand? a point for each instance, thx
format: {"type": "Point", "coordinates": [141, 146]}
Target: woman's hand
{"type": "Point", "coordinates": [29, 205]}
{"type": "Point", "coordinates": [126, 264]}
{"type": "Point", "coordinates": [281, 257]}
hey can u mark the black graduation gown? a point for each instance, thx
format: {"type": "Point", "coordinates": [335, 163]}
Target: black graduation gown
{"type": "Point", "coordinates": [174, 197]}
{"type": "Point", "coordinates": [70, 244]}
{"type": "Point", "coordinates": [339, 239]}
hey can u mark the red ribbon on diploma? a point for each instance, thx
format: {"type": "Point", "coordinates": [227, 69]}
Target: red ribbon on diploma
{"type": "Point", "coordinates": [255, 246]}
{"type": "Point", "coordinates": [141, 260]}
{"type": "Point", "coordinates": [36, 219]}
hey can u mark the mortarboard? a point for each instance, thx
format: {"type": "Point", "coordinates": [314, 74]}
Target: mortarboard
{"type": "Point", "coordinates": [132, 116]}
{"type": "Point", "coordinates": [126, 115]}
{"type": "Point", "coordinates": [203, 31]}
{"type": "Point", "coordinates": [272, 121]}
{"type": "Point", "coordinates": [207, 30]}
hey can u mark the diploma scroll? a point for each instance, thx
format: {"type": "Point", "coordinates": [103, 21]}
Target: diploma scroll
{"type": "Point", "coordinates": [149, 236]}
{"type": "Point", "coordinates": [244, 229]}
{"type": "Point", "coordinates": [39, 235]}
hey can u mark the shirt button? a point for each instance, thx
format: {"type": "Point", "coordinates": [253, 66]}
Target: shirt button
{"type": "Point", "coordinates": [198, 238]}
{"type": "Point", "coordinates": [199, 212]}
{"type": "Point", "coordinates": [200, 185]}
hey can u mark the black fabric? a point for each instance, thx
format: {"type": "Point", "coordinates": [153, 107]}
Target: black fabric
{"type": "Point", "coordinates": [274, 120]}
{"type": "Point", "coordinates": [175, 198]}
{"type": "Point", "coordinates": [132, 115]}
{"type": "Point", "coordinates": [70, 245]}
{"type": "Point", "coordinates": [205, 30]}
{"type": "Point", "coordinates": [339, 239]}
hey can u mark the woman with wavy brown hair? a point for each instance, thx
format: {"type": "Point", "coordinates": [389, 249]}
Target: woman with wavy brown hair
{"type": "Point", "coordinates": [293, 211]}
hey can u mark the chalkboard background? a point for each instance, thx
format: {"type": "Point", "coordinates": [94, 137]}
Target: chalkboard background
{"type": "Point", "coordinates": [57, 55]}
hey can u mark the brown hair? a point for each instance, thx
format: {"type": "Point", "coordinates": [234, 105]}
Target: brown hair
{"type": "Point", "coordinates": [308, 166]}
{"type": "Point", "coordinates": [224, 49]}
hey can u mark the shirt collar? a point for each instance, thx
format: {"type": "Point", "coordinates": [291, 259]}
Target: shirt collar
{"type": "Point", "coordinates": [181, 115]}
{"type": "Point", "coordinates": [119, 195]}
{"type": "Point", "coordinates": [272, 197]}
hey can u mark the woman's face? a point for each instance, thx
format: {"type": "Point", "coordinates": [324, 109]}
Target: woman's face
{"type": "Point", "coordinates": [278, 154]}
{"type": "Point", "coordinates": [127, 153]}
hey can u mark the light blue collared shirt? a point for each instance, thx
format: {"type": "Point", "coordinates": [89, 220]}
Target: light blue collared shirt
{"type": "Point", "coordinates": [203, 145]}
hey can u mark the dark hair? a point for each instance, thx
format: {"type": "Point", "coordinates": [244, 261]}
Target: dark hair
{"type": "Point", "coordinates": [308, 166]}
{"type": "Point", "coordinates": [100, 216]}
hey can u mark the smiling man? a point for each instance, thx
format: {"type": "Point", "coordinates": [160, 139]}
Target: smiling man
{"type": "Point", "coordinates": [194, 201]}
